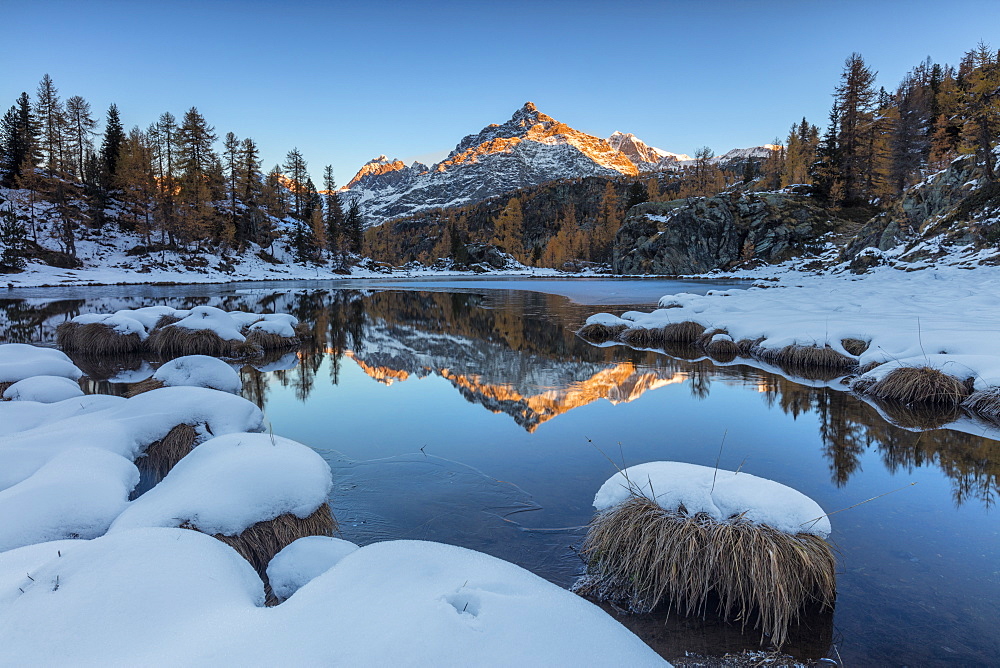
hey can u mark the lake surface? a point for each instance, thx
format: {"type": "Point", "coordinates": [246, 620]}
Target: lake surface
{"type": "Point", "coordinates": [468, 412]}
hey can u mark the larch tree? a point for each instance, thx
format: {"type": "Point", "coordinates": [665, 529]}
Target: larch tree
{"type": "Point", "coordinates": [508, 229]}
{"type": "Point", "coordinates": [981, 100]}
{"type": "Point", "coordinates": [195, 162]}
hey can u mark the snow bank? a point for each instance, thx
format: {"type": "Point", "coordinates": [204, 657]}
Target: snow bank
{"type": "Point", "coordinates": [948, 316]}
{"type": "Point", "coordinates": [28, 415]}
{"type": "Point", "coordinates": [228, 483]}
{"type": "Point", "coordinates": [720, 494]}
{"type": "Point", "coordinates": [138, 596]}
{"type": "Point", "coordinates": [199, 371]}
{"type": "Point", "coordinates": [19, 361]}
{"type": "Point", "coordinates": [43, 389]}
{"type": "Point", "coordinates": [303, 560]}
{"type": "Point", "coordinates": [76, 494]}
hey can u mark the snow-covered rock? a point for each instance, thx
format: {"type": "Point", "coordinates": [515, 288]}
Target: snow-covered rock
{"type": "Point", "coordinates": [717, 493]}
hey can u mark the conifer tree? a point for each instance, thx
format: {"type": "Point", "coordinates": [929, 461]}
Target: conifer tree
{"type": "Point", "coordinates": [295, 170]}
{"type": "Point", "coordinates": [637, 194]}
{"type": "Point", "coordinates": [354, 225]}
{"type": "Point", "coordinates": [114, 135]}
{"type": "Point", "coordinates": [251, 225]}
{"type": "Point", "coordinates": [14, 237]}
{"type": "Point", "coordinates": [855, 99]}
{"type": "Point", "coordinates": [80, 126]}
{"type": "Point", "coordinates": [981, 100]}
{"type": "Point", "coordinates": [196, 160]}
{"type": "Point", "coordinates": [19, 137]}
{"type": "Point", "coordinates": [333, 216]}
{"type": "Point", "coordinates": [52, 120]}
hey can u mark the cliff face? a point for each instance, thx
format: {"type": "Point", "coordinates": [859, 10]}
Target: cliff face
{"type": "Point", "coordinates": [700, 234]}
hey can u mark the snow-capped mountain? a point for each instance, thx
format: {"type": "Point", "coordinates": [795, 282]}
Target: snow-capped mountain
{"type": "Point", "coordinates": [646, 158]}
{"type": "Point", "coordinates": [741, 154]}
{"type": "Point", "coordinates": [529, 149]}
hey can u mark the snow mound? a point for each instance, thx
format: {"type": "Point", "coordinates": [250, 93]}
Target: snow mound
{"type": "Point", "coordinates": [43, 389]}
{"type": "Point", "coordinates": [141, 598]}
{"type": "Point", "coordinates": [138, 596]}
{"type": "Point", "coordinates": [280, 324]}
{"type": "Point", "coordinates": [303, 560]}
{"type": "Point", "coordinates": [720, 494]}
{"type": "Point", "coordinates": [199, 371]}
{"type": "Point", "coordinates": [212, 319]}
{"type": "Point", "coordinates": [19, 361]}
{"type": "Point", "coordinates": [228, 483]}
{"type": "Point", "coordinates": [75, 495]}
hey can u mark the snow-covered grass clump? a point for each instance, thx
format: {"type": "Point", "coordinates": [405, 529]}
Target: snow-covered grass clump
{"type": "Point", "coordinates": [141, 595]}
{"type": "Point", "coordinates": [720, 495]}
{"type": "Point", "coordinates": [231, 482]}
{"type": "Point", "coordinates": [673, 533]}
{"type": "Point", "coordinates": [165, 331]}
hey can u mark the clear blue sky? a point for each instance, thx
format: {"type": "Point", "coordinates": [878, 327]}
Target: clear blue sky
{"type": "Point", "coordinates": [345, 82]}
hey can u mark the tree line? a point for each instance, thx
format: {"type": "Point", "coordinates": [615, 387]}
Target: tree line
{"type": "Point", "coordinates": [169, 183]}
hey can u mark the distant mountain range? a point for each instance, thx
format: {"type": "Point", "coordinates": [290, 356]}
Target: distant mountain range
{"type": "Point", "coordinates": [529, 149]}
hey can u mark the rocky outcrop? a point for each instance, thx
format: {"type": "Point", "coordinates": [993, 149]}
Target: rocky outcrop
{"type": "Point", "coordinates": [700, 234]}
{"type": "Point", "coordinates": [956, 205]}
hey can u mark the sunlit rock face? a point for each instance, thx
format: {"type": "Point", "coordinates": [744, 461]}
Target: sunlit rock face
{"type": "Point", "coordinates": [646, 158]}
{"type": "Point", "coordinates": [529, 149]}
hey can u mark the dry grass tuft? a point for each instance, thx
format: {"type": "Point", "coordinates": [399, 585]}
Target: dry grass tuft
{"type": "Point", "coordinates": [703, 339]}
{"type": "Point", "coordinates": [868, 367]}
{"type": "Point", "coordinates": [748, 347]}
{"type": "Point", "coordinates": [269, 341]}
{"type": "Point", "coordinates": [682, 332]}
{"type": "Point", "coordinates": [640, 337]}
{"type": "Point", "coordinates": [796, 356]}
{"type": "Point", "coordinates": [245, 350]}
{"type": "Point", "coordinates": [3, 388]}
{"type": "Point", "coordinates": [648, 556]}
{"type": "Point", "coordinates": [855, 346]}
{"type": "Point", "coordinates": [166, 321]}
{"type": "Point", "coordinates": [984, 403]}
{"type": "Point", "coordinates": [595, 332]}
{"type": "Point", "coordinates": [915, 385]}
{"type": "Point", "coordinates": [147, 385]}
{"type": "Point", "coordinates": [259, 543]}
{"type": "Point", "coordinates": [722, 350]}
{"type": "Point", "coordinates": [96, 338]}
{"type": "Point", "coordinates": [163, 455]}
{"type": "Point", "coordinates": [168, 341]}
